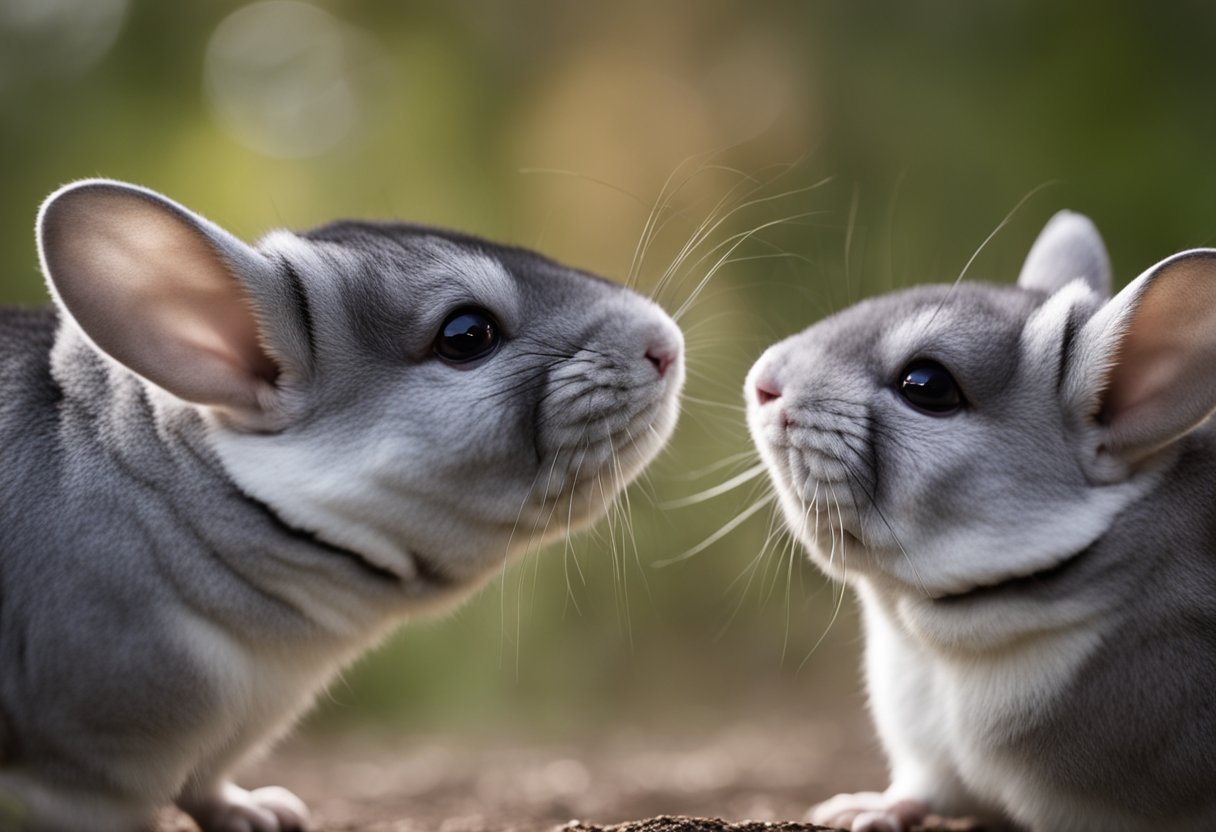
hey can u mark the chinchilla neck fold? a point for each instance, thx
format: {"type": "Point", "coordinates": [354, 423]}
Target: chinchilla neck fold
{"type": "Point", "coordinates": [136, 477]}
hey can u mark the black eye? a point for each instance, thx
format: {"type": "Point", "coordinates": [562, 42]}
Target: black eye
{"type": "Point", "coordinates": [467, 334]}
{"type": "Point", "coordinates": [928, 386]}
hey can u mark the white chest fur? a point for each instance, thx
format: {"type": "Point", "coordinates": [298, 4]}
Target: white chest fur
{"type": "Point", "coordinates": [946, 720]}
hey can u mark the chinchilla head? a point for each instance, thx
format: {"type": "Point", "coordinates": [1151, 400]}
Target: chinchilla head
{"type": "Point", "coordinates": [393, 389]}
{"type": "Point", "coordinates": [959, 447]}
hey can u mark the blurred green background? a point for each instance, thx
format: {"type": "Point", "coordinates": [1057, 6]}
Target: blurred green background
{"type": "Point", "coordinates": [557, 125]}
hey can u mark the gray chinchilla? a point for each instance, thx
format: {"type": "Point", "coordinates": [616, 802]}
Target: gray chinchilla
{"type": "Point", "coordinates": [229, 469]}
{"type": "Point", "coordinates": [1020, 484]}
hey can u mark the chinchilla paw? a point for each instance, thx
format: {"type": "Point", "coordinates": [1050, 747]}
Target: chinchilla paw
{"type": "Point", "coordinates": [269, 809]}
{"type": "Point", "coordinates": [868, 812]}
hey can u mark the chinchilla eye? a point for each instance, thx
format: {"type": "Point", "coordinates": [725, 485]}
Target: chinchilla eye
{"type": "Point", "coordinates": [467, 334]}
{"type": "Point", "coordinates": [928, 386]}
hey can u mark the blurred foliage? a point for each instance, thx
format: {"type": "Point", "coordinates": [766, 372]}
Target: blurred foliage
{"type": "Point", "coordinates": [556, 125]}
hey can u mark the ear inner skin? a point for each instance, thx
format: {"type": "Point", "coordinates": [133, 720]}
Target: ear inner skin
{"type": "Point", "coordinates": [116, 254]}
{"type": "Point", "coordinates": [1163, 380]}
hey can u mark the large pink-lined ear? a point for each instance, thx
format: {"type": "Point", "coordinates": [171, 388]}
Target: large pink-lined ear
{"type": "Point", "coordinates": [1153, 347]}
{"type": "Point", "coordinates": [160, 290]}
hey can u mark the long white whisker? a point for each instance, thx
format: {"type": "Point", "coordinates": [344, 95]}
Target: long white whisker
{"type": "Point", "coordinates": [706, 230]}
{"type": "Point", "coordinates": [739, 239]}
{"type": "Point", "coordinates": [502, 597]}
{"type": "Point", "coordinates": [718, 535]}
{"type": "Point", "coordinates": [648, 229]}
{"type": "Point", "coordinates": [983, 245]}
{"type": "Point", "coordinates": [891, 229]}
{"type": "Point", "coordinates": [726, 462]}
{"type": "Point", "coordinates": [723, 488]}
{"type": "Point", "coordinates": [848, 243]}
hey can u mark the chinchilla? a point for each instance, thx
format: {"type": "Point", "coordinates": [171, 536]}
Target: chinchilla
{"type": "Point", "coordinates": [229, 469]}
{"type": "Point", "coordinates": [1019, 483]}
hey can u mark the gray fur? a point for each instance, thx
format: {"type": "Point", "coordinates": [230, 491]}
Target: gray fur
{"type": "Point", "coordinates": [1039, 588]}
{"type": "Point", "coordinates": [177, 581]}
{"type": "Point", "coordinates": [1068, 248]}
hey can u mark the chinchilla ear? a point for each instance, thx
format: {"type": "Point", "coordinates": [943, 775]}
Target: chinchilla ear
{"type": "Point", "coordinates": [1068, 247]}
{"type": "Point", "coordinates": [160, 290]}
{"type": "Point", "coordinates": [1147, 361]}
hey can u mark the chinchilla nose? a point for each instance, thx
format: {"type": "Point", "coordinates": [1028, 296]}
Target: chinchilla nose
{"type": "Point", "coordinates": [664, 346]}
{"type": "Point", "coordinates": [767, 390]}
{"type": "Point", "coordinates": [662, 354]}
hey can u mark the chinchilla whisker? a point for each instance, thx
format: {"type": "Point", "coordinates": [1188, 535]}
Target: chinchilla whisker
{"type": "Point", "coordinates": [717, 217]}
{"type": "Point", "coordinates": [712, 214]}
{"type": "Point", "coordinates": [735, 408]}
{"type": "Point", "coordinates": [777, 255]}
{"type": "Point", "coordinates": [645, 482]}
{"type": "Point", "coordinates": [713, 467]}
{"type": "Point", "coordinates": [533, 551]}
{"type": "Point", "coordinates": [568, 547]}
{"type": "Point", "coordinates": [664, 455]}
{"type": "Point", "coordinates": [624, 611]}
{"type": "Point", "coordinates": [854, 204]}
{"type": "Point", "coordinates": [632, 531]}
{"type": "Point", "coordinates": [708, 380]}
{"type": "Point", "coordinates": [527, 385]}
{"type": "Point", "coordinates": [883, 517]}
{"type": "Point", "coordinates": [827, 510]}
{"type": "Point", "coordinates": [837, 527]}
{"type": "Point", "coordinates": [726, 529]}
{"type": "Point", "coordinates": [571, 599]}
{"type": "Point", "coordinates": [570, 551]}
{"type": "Point", "coordinates": [586, 178]}
{"type": "Point", "coordinates": [791, 559]}
{"type": "Point", "coordinates": [536, 370]}
{"type": "Point", "coordinates": [678, 265]}
{"type": "Point", "coordinates": [713, 218]}
{"type": "Point", "coordinates": [656, 226]}
{"type": "Point", "coordinates": [778, 552]}
{"type": "Point", "coordinates": [692, 332]}
{"type": "Point", "coordinates": [717, 490]}
{"type": "Point", "coordinates": [653, 225]}
{"type": "Point", "coordinates": [1001, 225]}
{"type": "Point", "coordinates": [610, 186]}
{"type": "Point", "coordinates": [827, 629]}
{"type": "Point", "coordinates": [714, 221]}
{"type": "Point", "coordinates": [749, 571]}
{"type": "Point", "coordinates": [610, 531]}
{"type": "Point", "coordinates": [502, 597]}
{"type": "Point", "coordinates": [734, 241]}
{"type": "Point", "coordinates": [771, 534]}
{"type": "Point", "coordinates": [891, 229]}
{"type": "Point", "coordinates": [531, 545]}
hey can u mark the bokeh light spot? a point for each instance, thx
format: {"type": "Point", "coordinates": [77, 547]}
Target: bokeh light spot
{"type": "Point", "coordinates": [59, 37]}
{"type": "Point", "coordinates": [288, 79]}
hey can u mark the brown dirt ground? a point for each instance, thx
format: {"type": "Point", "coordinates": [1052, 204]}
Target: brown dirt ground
{"type": "Point", "coordinates": [766, 774]}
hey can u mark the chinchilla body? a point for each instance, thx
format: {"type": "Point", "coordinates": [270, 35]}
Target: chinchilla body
{"type": "Point", "coordinates": [1018, 482]}
{"type": "Point", "coordinates": [137, 583]}
{"type": "Point", "coordinates": [227, 470]}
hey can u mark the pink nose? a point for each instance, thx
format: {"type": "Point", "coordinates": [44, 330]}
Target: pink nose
{"type": "Point", "coordinates": [662, 356]}
{"type": "Point", "coordinates": [767, 391]}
